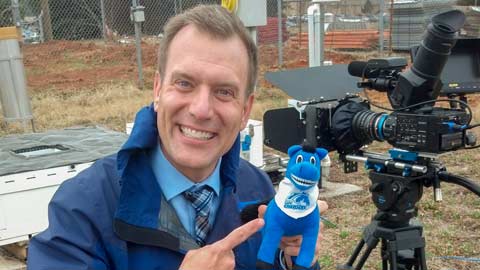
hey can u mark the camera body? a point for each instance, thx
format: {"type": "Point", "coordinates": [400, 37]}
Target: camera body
{"type": "Point", "coordinates": [348, 124]}
{"type": "Point", "coordinates": [435, 132]}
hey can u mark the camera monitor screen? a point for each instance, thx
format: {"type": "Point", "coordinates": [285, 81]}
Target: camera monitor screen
{"type": "Point", "coordinates": [461, 74]}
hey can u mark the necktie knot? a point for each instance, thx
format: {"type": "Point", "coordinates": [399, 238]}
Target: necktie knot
{"type": "Point", "coordinates": [200, 198]}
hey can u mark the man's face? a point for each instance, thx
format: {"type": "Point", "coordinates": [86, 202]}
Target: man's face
{"type": "Point", "coordinates": [202, 103]}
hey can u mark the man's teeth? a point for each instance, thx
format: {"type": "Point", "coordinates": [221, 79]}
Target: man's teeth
{"type": "Point", "coordinates": [196, 134]}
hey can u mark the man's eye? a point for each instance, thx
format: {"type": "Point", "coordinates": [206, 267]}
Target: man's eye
{"type": "Point", "coordinates": [225, 93]}
{"type": "Point", "coordinates": [183, 84]}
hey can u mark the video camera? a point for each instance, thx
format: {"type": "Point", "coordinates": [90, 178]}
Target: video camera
{"type": "Point", "coordinates": [346, 124]}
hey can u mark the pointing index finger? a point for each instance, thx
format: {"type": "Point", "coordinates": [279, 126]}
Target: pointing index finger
{"type": "Point", "coordinates": [240, 234]}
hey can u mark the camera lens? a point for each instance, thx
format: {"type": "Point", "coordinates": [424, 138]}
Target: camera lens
{"type": "Point", "coordinates": [367, 126]}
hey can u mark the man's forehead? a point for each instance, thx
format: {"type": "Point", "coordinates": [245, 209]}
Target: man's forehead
{"type": "Point", "coordinates": [190, 31]}
{"type": "Point", "coordinates": [190, 41]}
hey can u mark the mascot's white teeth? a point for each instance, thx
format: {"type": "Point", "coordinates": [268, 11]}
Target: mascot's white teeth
{"type": "Point", "coordinates": [303, 182]}
{"type": "Point", "coordinates": [196, 134]}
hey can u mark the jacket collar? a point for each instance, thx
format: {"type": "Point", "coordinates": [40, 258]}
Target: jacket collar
{"type": "Point", "coordinates": [139, 201]}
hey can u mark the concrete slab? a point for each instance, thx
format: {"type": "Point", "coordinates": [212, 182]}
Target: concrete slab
{"type": "Point", "coordinates": [332, 189]}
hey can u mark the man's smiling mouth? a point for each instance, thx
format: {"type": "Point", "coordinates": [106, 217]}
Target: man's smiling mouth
{"type": "Point", "coordinates": [196, 134]}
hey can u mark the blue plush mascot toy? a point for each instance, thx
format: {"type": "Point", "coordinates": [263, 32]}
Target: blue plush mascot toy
{"type": "Point", "coordinates": [294, 210]}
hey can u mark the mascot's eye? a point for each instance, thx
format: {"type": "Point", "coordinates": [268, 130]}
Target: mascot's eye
{"type": "Point", "coordinates": [299, 158]}
{"type": "Point", "coordinates": [313, 160]}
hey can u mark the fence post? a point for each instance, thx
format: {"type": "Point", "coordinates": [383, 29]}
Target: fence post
{"type": "Point", "coordinates": [177, 6]}
{"type": "Point", "coordinates": [102, 9]}
{"type": "Point", "coordinates": [16, 13]}
{"type": "Point", "coordinates": [138, 41]}
{"type": "Point", "coordinates": [46, 20]}
{"type": "Point", "coordinates": [280, 34]}
{"type": "Point", "coordinates": [381, 27]}
{"type": "Point", "coordinates": [390, 26]}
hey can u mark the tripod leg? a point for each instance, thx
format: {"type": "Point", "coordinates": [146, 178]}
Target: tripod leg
{"type": "Point", "coordinates": [357, 250]}
{"type": "Point", "coordinates": [365, 255]}
{"type": "Point", "coordinates": [353, 257]}
{"type": "Point", "coordinates": [393, 258]}
{"type": "Point", "coordinates": [384, 255]}
{"type": "Point", "coordinates": [420, 252]}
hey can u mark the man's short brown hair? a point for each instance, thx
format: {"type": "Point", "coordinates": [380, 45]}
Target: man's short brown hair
{"type": "Point", "coordinates": [216, 21]}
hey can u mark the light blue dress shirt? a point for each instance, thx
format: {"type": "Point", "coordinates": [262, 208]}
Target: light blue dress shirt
{"type": "Point", "coordinates": [173, 183]}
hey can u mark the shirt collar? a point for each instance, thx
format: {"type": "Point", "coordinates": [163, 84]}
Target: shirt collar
{"type": "Point", "coordinates": [172, 182]}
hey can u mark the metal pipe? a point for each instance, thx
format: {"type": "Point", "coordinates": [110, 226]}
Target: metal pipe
{"type": "Point", "coordinates": [381, 27]}
{"type": "Point", "coordinates": [387, 162]}
{"type": "Point", "coordinates": [280, 34]}
{"type": "Point", "coordinates": [102, 9]}
{"type": "Point", "coordinates": [391, 28]}
{"type": "Point", "coordinates": [138, 45]}
{"type": "Point", "coordinates": [322, 34]}
{"type": "Point", "coordinates": [16, 13]}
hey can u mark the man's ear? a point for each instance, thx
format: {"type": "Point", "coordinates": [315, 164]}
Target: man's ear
{"type": "Point", "coordinates": [247, 108]}
{"type": "Point", "coordinates": [157, 85]}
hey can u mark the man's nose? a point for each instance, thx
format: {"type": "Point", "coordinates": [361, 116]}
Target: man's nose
{"type": "Point", "coordinates": [201, 106]}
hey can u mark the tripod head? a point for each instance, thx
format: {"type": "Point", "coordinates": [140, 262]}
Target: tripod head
{"type": "Point", "coordinates": [397, 185]}
{"type": "Point", "coordinates": [398, 180]}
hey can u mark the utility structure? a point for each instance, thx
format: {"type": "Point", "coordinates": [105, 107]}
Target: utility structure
{"type": "Point", "coordinates": [253, 13]}
{"type": "Point", "coordinates": [137, 16]}
{"type": "Point", "coordinates": [13, 86]}
{"type": "Point", "coordinates": [316, 32]}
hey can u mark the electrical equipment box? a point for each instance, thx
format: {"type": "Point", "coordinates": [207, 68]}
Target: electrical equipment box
{"type": "Point", "coordinates": [137, 14]}
{"type": "Point", "coordinates": [252, 12]}
{"type": "Point", "coordinates": [32, 166]}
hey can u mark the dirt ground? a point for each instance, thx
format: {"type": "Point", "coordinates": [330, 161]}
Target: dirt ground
{"type": "Point", "coordinates": [91, 83]}
{"type": "Point", "coordinates": [74, 65]}
{"type": "Point", "coordinates": [66, 65]}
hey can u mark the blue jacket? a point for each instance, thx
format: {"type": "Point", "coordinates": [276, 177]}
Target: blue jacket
{"type": "Point", "coordinates": [110, 215]}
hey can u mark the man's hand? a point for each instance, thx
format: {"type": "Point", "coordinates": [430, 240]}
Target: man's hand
{"type": "Point", "coordinates": [219, 255]}
{"type": "Point", "coordinates": [291, 245]}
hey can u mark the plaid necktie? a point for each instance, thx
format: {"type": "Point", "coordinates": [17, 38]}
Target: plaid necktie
{"type": "Point", "coordinates": [201, 200]}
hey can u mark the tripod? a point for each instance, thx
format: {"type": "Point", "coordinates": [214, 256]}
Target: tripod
{"type": "Point", "coordinates": [402, 241]}
{"type": "Point", "coordinates": [396, 188]}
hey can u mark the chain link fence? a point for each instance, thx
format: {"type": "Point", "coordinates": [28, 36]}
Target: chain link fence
{"type": "Point", "coordinates": [89, 19]}
{"type": "Point", "coordinates": [356, 24]}
{"type": "Point", "coordinates": [44, 20]}
{"type": "Point", "coordinates": [349, 24]}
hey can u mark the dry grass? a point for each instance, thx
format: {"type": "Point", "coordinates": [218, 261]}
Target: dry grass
{"type": "Point", "coordinates": [109, 105]}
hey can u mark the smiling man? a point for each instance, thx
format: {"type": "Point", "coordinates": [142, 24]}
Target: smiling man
{"type": "Point", "coordinates": [169, 199]}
